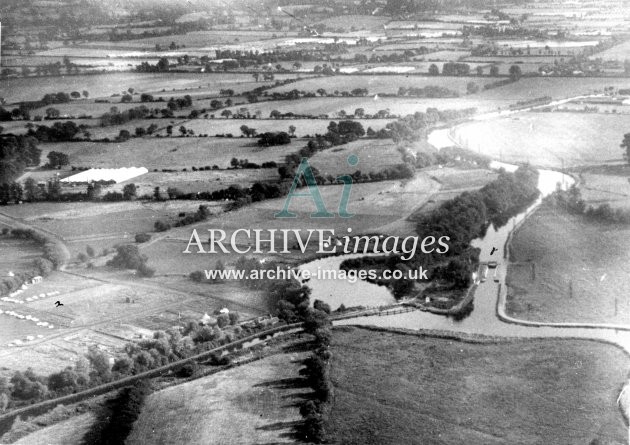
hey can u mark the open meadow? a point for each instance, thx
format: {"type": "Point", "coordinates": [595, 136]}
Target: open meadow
{"type": "Point", "coordinates": [330, 106]}
{"type": "Point", "coordinates": [606, 184]}
{"type": "Point", "coordinates": [554, 87]}
{"type": "Point", "coordinates": [101, 226]}
{"type": "Point", "coordinates": [303, 127]}
{"type": "Point", "coordinates": [373, 155]}
{"type": "Point", "coordinates": [565, 268]}
{"type": "Point", "coordinates": [66, 432]}
{"type": "Point", "coordinates": [376, 208]}
{"type": "Point", "coordinates": [16, 254]}
{"type": "Point", "coordinates": [619, 52]}
{"type": "Point", "coordinates": [247, 405]}
{"type": "Point", "coordinates": [195, 97]}
{"type": "Point", "coordinates": [390, 84]}
{"type": "Point", "coordinates": [547, 139]}
{"type": "Point", "coordinates": [104, 85]}
{"type": "Point", "coordinates": [200, 181]}
{"type": "Point", "coordinates": [195, 41]}
{"type": "Point", "coordinates": [171, 153]}
{"type": "Point", "coordinates": [438, 391]}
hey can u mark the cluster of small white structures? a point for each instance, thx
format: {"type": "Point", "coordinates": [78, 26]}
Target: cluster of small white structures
{"type": "Point", "coordinates": [42, 295]}
{"type": "Point", "coordinates": [18, 342]}
{"type": "Point", "coordinates": [11, 298]}
{"type": "Point", "coordinates": [28, 318]}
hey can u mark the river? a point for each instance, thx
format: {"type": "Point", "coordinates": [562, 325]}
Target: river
{"type": "Point", "coordinates": [488, 316]}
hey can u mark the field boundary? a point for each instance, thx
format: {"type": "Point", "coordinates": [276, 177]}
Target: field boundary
{"type": "Point", "coordinates": [475, 338]}
{"type": "Point", "coordinates": [501, 315]}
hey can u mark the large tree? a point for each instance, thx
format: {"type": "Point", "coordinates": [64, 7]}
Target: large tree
{"type": "Point", "coordinates": [57, 159]}
{"type": "Point", "coordinates": [515, 72]}
{"type": "Point", "coordinates": [129, 192]}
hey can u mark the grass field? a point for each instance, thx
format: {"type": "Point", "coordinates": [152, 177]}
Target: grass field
{"type": "Point", "coordinates": [16, 254]}
{"type": "Point", "coordinates": [567, 269]}
{"type": "Point", "coordinates": [101, 225]}
{"type": "Point", "coordinates": [72, 220]}
{"type": "Point", "coordinates": [374, 155]}
{"type": "Point", "coordinates": [555, 87]}
{"type": "Point", "coordinates": [67, 432]}
{"type": "Point", "coordinates": [619, 52]}
{"type": "Point", "coordinates": [104, 85]}
{"type": "Point", "coordinates": [171, 153]}
{"type": "Point", "coordinates": [330, 106]}
{"type": "Point", "coordinates": [606, 184]}
{"type": "Point", "coordinates": [358, 21]}
{"type": "Point", "coordinates": [546, 139]}
{"type": "Point", "coordinates": [446, 392]}
{"type": "Point", "coordinates": [384, 84]}
{"type": "Point", "coordinates": [304, 127]}
{"type": "Point", "coordinates": [376, 206]}
{"type": "Point", "coordinates": [89, 108]}
{"type": "Point", "coordinates": [458, 178]}
{"type": "Point", "coordinates": [192, 40]}
{"type": "Point", "coordinates": [251, 404]}
{"type": "Point", "coordinates": [206, 181]}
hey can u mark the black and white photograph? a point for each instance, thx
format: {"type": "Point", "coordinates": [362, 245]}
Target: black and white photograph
{"type": "Point", "coordinates": [345, 222]}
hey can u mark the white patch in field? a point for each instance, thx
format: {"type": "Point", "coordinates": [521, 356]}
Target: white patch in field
{"type": "Point", "coordinates": [106, 174]}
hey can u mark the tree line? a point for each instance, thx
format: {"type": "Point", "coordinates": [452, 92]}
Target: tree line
{"type": "Point", "coordinates": [51, 259]}
{"type": "Point", "coordinates": [461, 219]}
{"type": "Point", "coordinates": [17, 153]}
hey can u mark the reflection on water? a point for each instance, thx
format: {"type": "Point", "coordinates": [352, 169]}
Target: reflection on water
{"type": "Point", "coordinates": [338, 292]}
{"type": "Point", "coordinates": [482, 317]}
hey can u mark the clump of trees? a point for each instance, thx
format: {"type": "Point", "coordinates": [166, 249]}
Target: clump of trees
{"type": "Point", "coordinates": [430, 91]}
{"type": "Point", "coordinates": [461, 219]}
{"type": "Point", "coordinates": [12, 192]}
{"type": "Point", "coordinates": [57, 159]}
{"type": "Point", "coordinates": [414, 127]}
{"type": "Point", "coordinates": [202, 214]}
{"type": "Point", "coordinates": [53, 256]}
{"type": "Point", "coordinates": [179, 103]}
{"type": "Point", "coordinates": [244, 163]}
{"type": "Point", "coordinates": [161, 66]}
{"type": "Point", "coordinates": [466, 216]}
{"type": "Point", "coordinates": [455, 69]}
{"type": "Point", "coordinates": [572, 202]}
{"type": "Point", "coordinates": [58, 132]}
{"type": "Point", "coordinates": [142, 238]}
{"type": "Point", "coordinates": [270, 139]}
{"type": "Point", "coordinates": [17, 153]}
{"type": "Point", "coordinates": [128, 256]}
{"type": "Point", "coordinates": [116, 117]}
